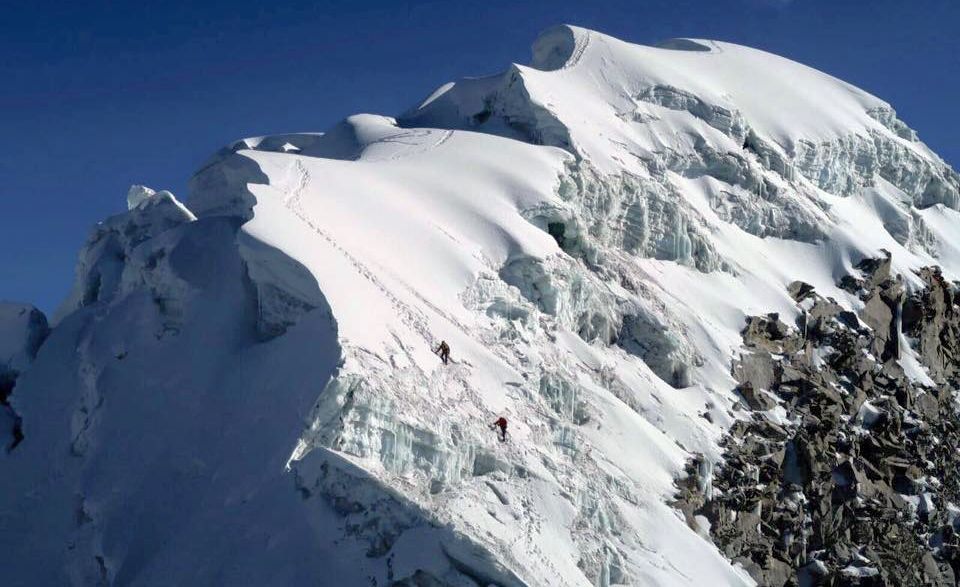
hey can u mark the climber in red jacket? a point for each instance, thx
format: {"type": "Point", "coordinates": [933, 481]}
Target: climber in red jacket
{"type": "Point", "coordinates": [502, 424]}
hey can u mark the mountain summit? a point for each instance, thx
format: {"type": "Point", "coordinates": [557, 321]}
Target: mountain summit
{"type": "Point", "coordinates": [242, 387]}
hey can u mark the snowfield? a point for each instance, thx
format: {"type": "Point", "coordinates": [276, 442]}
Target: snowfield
{"type": "Point", "coordinates": [242, 388]}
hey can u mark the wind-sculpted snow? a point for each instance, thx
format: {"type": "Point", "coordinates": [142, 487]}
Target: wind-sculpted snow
{"type": "Point", "coordinates": [113, 263]}
{"type": "Point", "coordinates": [586, 233]}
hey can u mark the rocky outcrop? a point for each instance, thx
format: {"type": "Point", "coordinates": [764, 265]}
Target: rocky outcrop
{"type": "Point", "coordinates": [23, 328]}
{"type": "Point", "coordinates": [844, 470]}
{"type": "Point", "coordinates": [882, 294]}
{"type": "Point", "coordinates": [930, 317]}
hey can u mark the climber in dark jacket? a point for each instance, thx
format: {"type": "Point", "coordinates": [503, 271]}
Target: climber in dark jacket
{"type": "Point", "coordinates": [502, 424]}
{"type": "Point", "coordinates": [444, 351]}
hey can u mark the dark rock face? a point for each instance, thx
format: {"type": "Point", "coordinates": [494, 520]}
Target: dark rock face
{"type": "Point", "coordinates": [859, 483]}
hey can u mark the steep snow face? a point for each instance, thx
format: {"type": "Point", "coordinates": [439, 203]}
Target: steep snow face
{"type": "Point", "coordinates": [587, 233]}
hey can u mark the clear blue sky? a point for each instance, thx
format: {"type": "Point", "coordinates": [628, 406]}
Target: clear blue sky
{"type": "Point", "coordinates": [95, 96]}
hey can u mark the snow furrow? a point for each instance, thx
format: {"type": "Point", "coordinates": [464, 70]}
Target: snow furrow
{"type": "Point", "coordinates": [411, 317]}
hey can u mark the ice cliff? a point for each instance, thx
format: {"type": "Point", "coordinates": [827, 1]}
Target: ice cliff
{"type": "Point", "coordinates": [241, 387]}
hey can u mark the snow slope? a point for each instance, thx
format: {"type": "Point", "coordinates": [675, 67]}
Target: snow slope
{"type": "Point", "coordinates": [242, 389]}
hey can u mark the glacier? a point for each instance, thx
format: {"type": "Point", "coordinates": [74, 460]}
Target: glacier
{"type": "Point", "coordinates": [241, 386]}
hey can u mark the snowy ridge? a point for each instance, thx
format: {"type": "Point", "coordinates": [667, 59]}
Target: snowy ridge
{"type": "Point", "coordinates": [587, 233]}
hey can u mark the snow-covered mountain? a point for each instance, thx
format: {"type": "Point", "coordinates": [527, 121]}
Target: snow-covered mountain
{"type": "Point", "coordinates": [242, 389]}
